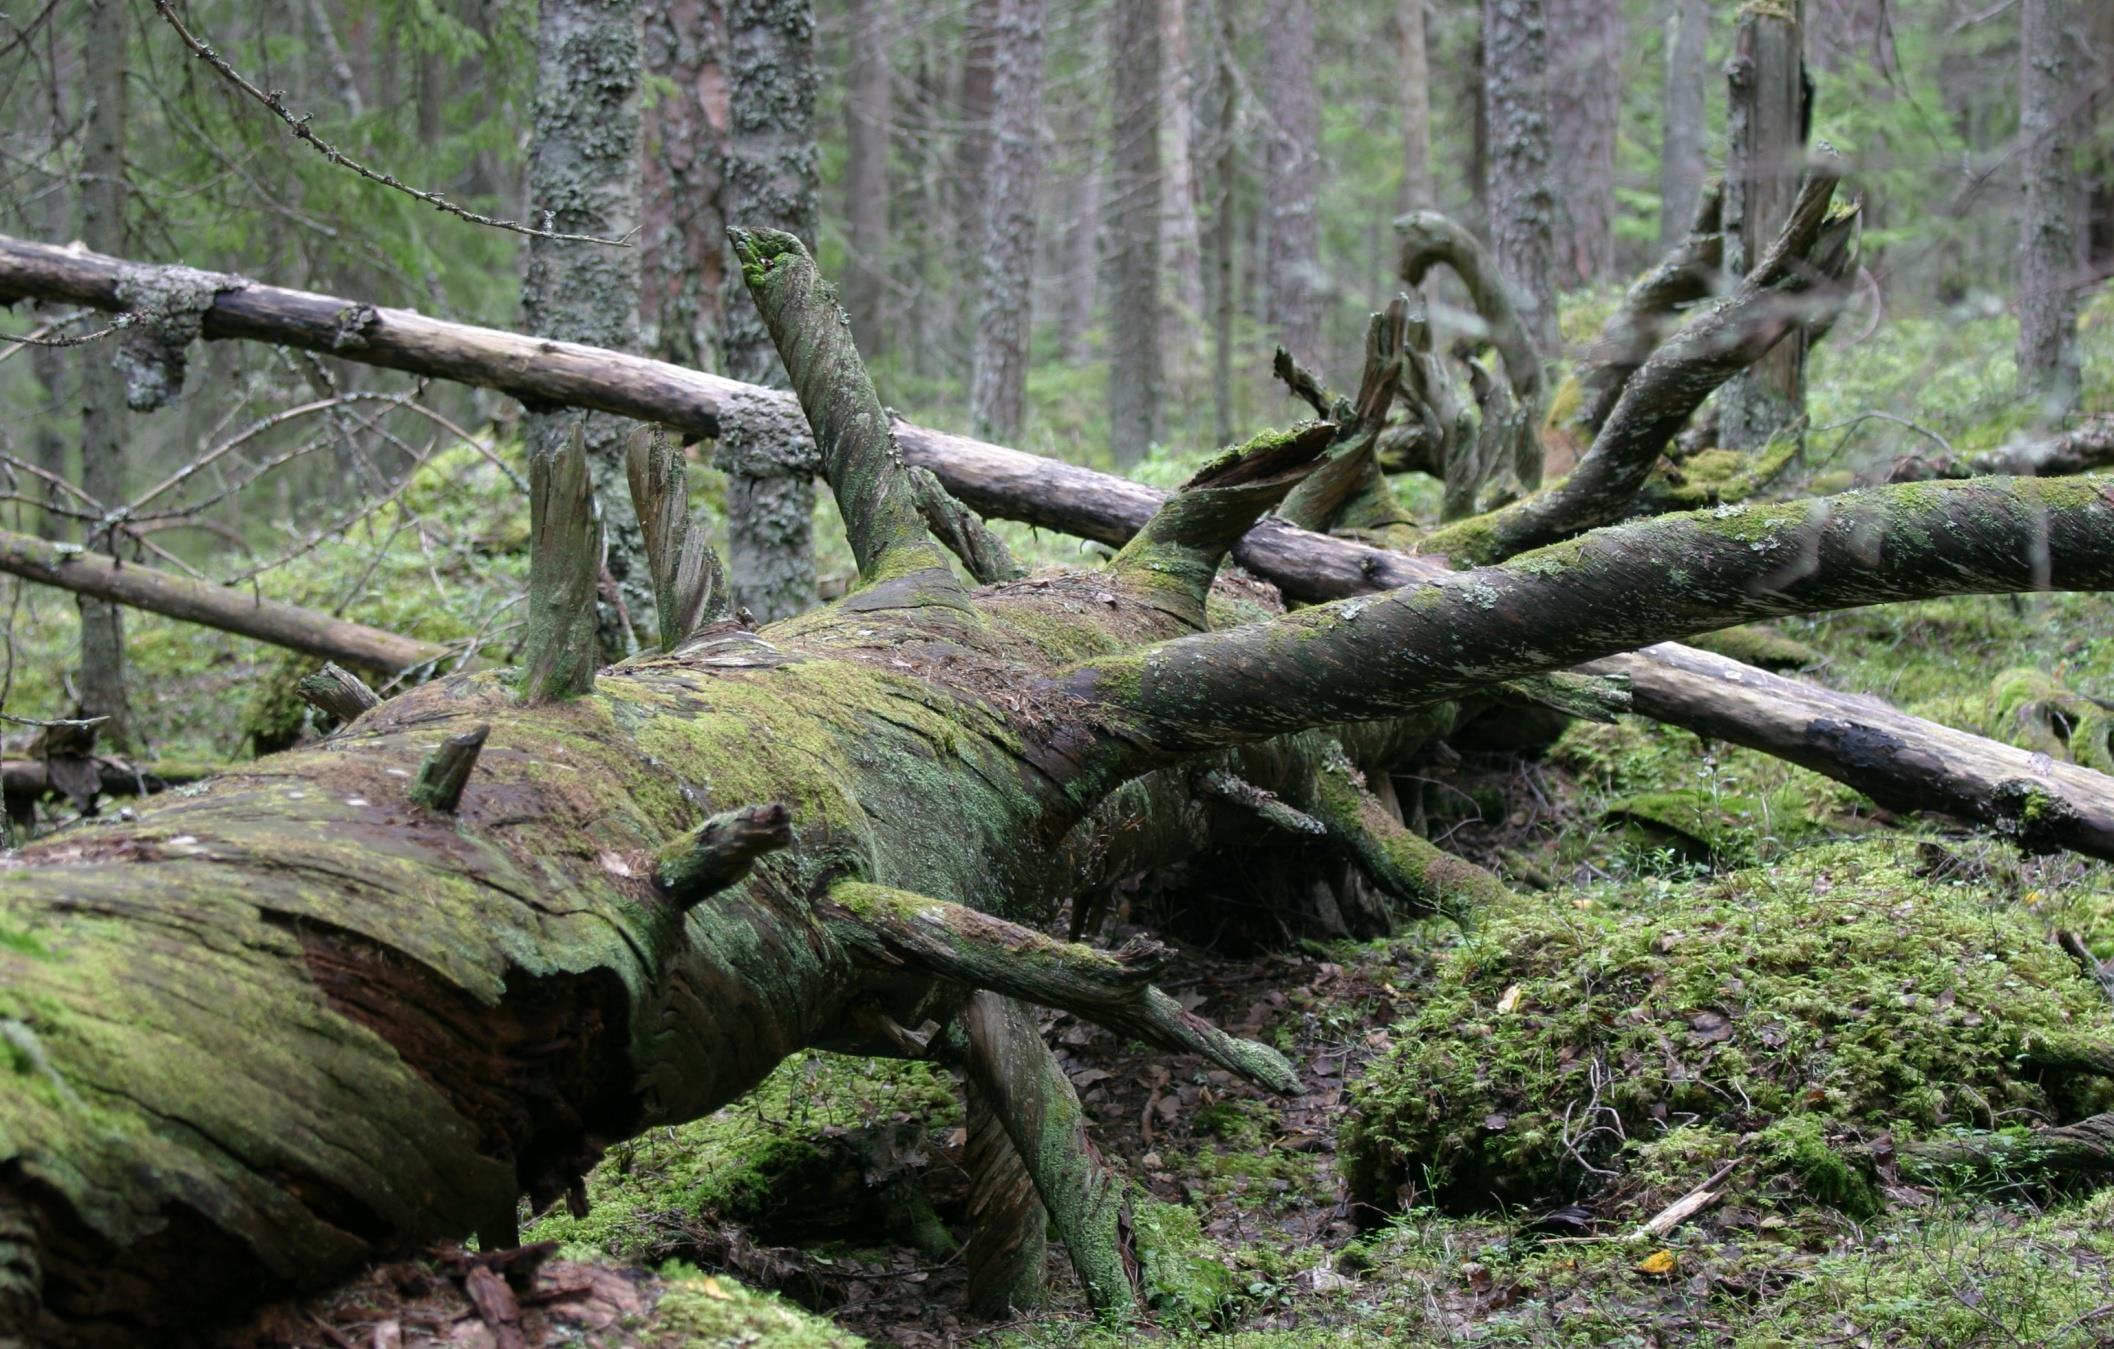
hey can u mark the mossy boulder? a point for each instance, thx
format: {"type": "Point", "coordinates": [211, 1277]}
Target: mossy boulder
{"type": "Point", "coordinates": [1834, 996]}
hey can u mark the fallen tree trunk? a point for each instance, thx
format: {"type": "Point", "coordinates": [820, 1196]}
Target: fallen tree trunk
{"type": "Point", "coordinates": [412, 1012]}
{"type": "Point", "coordinates": [2084, 448]}
{"type": "Point", "coordinates": [161, 592]}
{"type": "Point", "coordinates": [1903, 762]}
{"type": "Point", "coordinates": [369, 992]}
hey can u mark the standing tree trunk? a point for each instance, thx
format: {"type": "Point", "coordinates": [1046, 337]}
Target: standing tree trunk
{"type": "Point", "coordinates": [770, 182]}
{"type": "Point", "coordinates": [682, 240]}
{"type": "Point", "coordinates": [1766, 126]}
{"type": "Point", "coordinates": [1181, 234]}
{"type": "Point", "coordinates": [1682, 116]}
{"type": "Point", "coordinates": [1134, 230]}
{"type": "Point", "coordinates": [104, 429]}
{"type": "Point", "coordinates": [2048, 251]}
{"type": "Point", "coordinates": [584, 179]}
{"type": "Point", "coordinates": [1293, 177]}
{"type": "Point", "coordinates": [972, 153]}
{"type": "Point", "coordinates": [869, 119]}
{"type": "Point", "coordinates": [1224, 232]}
{"type": "Point", "coordinates": [1522, 195]}
{"type": "Point", "coordinates": [1585, 101]}
{"type": "Point", "coordinates": [1005, 317]}
{"type": "Point", "coordinates": [1414, 75]}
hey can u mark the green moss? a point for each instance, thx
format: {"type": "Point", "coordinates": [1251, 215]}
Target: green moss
{"type": "Point", "coordinates": [729, 1161]}
{"type": "Point", "coordinates": [708, 1311]}
{"type": "Point", "coordinates": [1839, 984]}
{"type": "Point", "coordinates": [1185, 1278]}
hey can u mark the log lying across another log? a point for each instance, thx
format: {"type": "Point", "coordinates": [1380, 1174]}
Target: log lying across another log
{"type": "Point", "coordinates": [1903, 762]}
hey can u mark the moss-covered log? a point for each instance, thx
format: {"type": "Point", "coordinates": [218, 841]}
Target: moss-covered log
{"type": "Point", "coordinates": [291, 1021]}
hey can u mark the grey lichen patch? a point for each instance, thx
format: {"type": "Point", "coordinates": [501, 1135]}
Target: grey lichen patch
{"type": "Point", "coordinates": [164, 313]}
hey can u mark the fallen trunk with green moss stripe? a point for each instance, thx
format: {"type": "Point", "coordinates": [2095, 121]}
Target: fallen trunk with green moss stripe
{"type": "Point", "coordinates": [301, 1016]}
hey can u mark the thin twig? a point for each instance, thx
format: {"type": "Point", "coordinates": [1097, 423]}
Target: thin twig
{"type": "Point", "coordinates": [303, 132]}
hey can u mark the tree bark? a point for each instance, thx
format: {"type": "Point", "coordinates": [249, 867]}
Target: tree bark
{"type": "Point", "coordinates": [1585, 102]}
{"type": "Point", "coordinates": [1292, 178]}
{"type": "Point", "coordinates": [1134, 232]}
{"type": "Point", "coordinates": [682, 241]}
{"type": "Point", "coordinates": [770, 183]}
{"type": "Point", "coordinates": [2048, 253]}
{"type": "Point", "coordinates": [1414, 73]}
{"type": "Point", "coordinates": [1682, 117]}
{"type": "Point", "coordinates": [1521, 187]}
{"type": "Point", "coordinates": [584, 179]}
{"type": "Point", "coordinates": [1767, 122]}
{"type": "Point", "coordinates": [1005, 317]}
{"type": "Point", "coordinates": [869, 122]}
{"type": "Point", "coordinates": [100, 683]}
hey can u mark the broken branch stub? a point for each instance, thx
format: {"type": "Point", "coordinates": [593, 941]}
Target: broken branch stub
{"type": "Point", "coordinates": [720, 852]}
{"type": "Point", "coordinates": [446, 771]}
{"type": "Point", "coordinates": [337, 691]}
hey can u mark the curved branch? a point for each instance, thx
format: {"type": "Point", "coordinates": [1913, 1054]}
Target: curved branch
{"type": "Point", "coordinates": [897, 930]}
{"type": "Point", "coordinates": [1429, 239]}
{"type": "Point", "coordinates": [1816, 245]}
{"type": "Point", "coordinates": [1610, 591]}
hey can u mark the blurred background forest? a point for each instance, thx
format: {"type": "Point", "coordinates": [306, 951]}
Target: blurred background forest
{"type": "Point", "coordinates": [1080, 229]}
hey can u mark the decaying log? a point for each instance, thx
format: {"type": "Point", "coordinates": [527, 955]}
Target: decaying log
{"type": "Point", "coordinates": [1902, 761]}
{"type": "Point", "coordinates": [162, 592]}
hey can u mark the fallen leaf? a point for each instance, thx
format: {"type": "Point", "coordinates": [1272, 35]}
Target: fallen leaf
{"type": "Point", "coordinates": [709, 1286]}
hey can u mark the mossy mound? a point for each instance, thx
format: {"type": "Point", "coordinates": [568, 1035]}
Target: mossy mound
{"type": "Point", "coordinates": [752, 1161]}
{"type": "Point", "coordinates": [704, 1311]}
{"type": "Point", "coordinates": [1833, 996]}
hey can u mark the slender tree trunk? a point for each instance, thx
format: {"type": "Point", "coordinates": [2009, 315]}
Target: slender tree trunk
{"type": "Point", "coordinates": [1682, 115]}
{"type": "Point", "coordinates": [1521, 190]}
{"type": "Point", "coordinates": [1292, 182]}
{"type": "Point", "coordinates": [1134, 229]}
{"type": "Point", "coordinates": [1585, 102]}
{"type": "Point", "coordinates": [2048, 249]}
{"type": "Point", "coordinates": [1224, 231]}
{"type": "Point", "coordinates": [770, 182]}
{"type": "Point", "coordinates": [584, 179]}
{"type": "Point", "coordinates": [972, 154]}
{"type": "Point", "coordinates": [869, 120]}
{"type": "Point", "coordinates": [104, 421]}
{"type": "Point", "coordinates": [1013, 177]}
{"type": "Point", "coordinates": [683, 237]}
{"type": "Point", "coordinates": [1081, 248]}
{"type": "Point", "coordinates": [921, 209]}
{"type": "Point", "coordinates": [52, 365]}
{"type": "Point", "coordinates": [1414, 74]}
{"type": "Point", "coordinates": [1766, 127]}
{"type": "Point", "coordinates": [1181, 235]}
